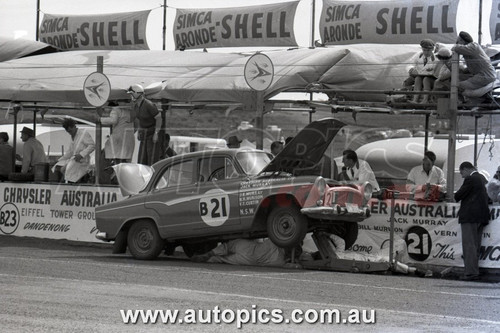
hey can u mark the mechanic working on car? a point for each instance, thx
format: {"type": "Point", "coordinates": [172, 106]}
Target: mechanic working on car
{"type": "Point", "coordinates": [426, 177]}
{"type": "Point", "coordinates": [240, 251]}
{"type": "Point", "coordinates": [276, 147]}
{"type": "Point", "coordinates": [149, 119]}
{"type": "Point", "coordinates": [357, 170]}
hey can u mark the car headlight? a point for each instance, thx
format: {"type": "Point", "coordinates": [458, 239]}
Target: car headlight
{"type": "Point", "coordinates": [367, 192]}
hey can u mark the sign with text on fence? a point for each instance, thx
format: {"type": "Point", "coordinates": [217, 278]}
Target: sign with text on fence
{"type": "Point", "coordinates": [388, 22]}
{"type": "Point", "coordinates": [265, 25]}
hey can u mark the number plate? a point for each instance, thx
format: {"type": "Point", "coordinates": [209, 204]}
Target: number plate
{"type": "Point", "coordinates": [352, 208]}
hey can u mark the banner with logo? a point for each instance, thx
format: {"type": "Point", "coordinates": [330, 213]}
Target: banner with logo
{"type": "Point", "coordinates": [265, 25]}
{"type": "Point", "coordinates": [119, 31]}
{"type": "Point", "coordinates": [495, 22]}
{"type": "Point", "coordinates": [388, 22]}
{"type": "Point", "coordinates": [430, 231]}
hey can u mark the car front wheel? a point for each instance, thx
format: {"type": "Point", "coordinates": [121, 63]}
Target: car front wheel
{"type": "Point", "coordinates": [286, 226]}
{"type": "Point", "coordinates": [144, 241]}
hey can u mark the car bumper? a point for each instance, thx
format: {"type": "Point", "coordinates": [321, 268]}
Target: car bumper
{"type": "Point", "coordinates": [337, 213]}
{"type": "Point", "coordinates": [102, 236]}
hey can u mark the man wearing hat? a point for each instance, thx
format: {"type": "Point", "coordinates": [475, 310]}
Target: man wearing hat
{"type": "Point", "coordinates": [480, 70]}
{"type": "Point", "coordinates": [422, 70]}
{"type": "Point", "coordinates": [442, 71]}
{"type": "Point", "coordinates": [149, 119]}
{"type": "Point", "coordinates": [233, 142]}
{"type": "Point", "coordinates": [427, 174]}
{"type": "Point", "coordinates": [33, 151]}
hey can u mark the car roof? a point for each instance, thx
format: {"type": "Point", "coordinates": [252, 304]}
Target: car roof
{"type": "Point", "coordinates": [207, 152]}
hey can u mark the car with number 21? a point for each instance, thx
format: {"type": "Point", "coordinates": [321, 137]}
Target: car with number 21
{"type": "Point", "coordinates": [196, 200]}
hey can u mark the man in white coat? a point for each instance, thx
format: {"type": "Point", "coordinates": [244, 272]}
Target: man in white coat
{"type": "Point", "coordinates": [75, 163]}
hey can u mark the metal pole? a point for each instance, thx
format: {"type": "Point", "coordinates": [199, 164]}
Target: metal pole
{"type": "Point", "coordinates": [426, 139]}
{"type": "Point", "coordinates": [313, 18]}
{"type": "Point", "coordinates": [391, 234]}
{"type": "Point", "coordinates": [37, 20]}
{"type": "Point", "coordinates": [452, 140]}
{"type": "Point", "coordinates": [475, 140]}
{"type": "Point", "coordinates": [98, 129]}
{"type": "Point", "coordinates": [15, 142]}
{"type": "Point", "coordinates": [479, 32]}
{"type": "Point", "coordinates": [164, 25]}
{"type": "Point", "coordinates": [259, 121]}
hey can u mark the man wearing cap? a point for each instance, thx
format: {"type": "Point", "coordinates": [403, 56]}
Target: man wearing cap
{"type": "Point", "coordinates": [33, 151]}
{"type": "Point", "coordinates": [233, 142]}
{"type": "Point", "coordinates": [422, 70]}
{"type": "Point", "coordinates": [480, 70]}
{"type": "Point", "coordinates": [442, 71]}
{"type": "Point", "coordinates": [427, 177]}
{"type": "Point", "coordinates": [149, 119]}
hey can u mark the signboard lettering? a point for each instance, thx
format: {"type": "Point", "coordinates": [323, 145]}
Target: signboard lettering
{"type": "Point", "coordinates": [269, 25]}
{"type": "Point", "coordinates": [395, 22]}
{"type": "Point", "coordinates": [120, 31]}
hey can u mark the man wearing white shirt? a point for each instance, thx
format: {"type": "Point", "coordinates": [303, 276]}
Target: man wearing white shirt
{"type": "Point", "coordinates": [358, 170]}
{"type": "Point", "coordinates": [427, 174]}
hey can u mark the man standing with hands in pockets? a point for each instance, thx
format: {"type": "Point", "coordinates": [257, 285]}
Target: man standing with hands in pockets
{"type": "Point", "coordinates": [149, 123]}
{"type": "Point", "coordinates": [473, 215]}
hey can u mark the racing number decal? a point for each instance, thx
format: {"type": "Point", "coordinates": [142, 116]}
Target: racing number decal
{"type": "Point", "coordinates": [215, 207]}
{"type": "Point", "coordinates": [9, 218]}
{"type": "Point", "coordinates": [419, 243]}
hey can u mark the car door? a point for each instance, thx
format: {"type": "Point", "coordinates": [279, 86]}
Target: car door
{"type": "Point", "coordinates": [218, 188]}
{"type": "Point", "coordinates": [173, 197]}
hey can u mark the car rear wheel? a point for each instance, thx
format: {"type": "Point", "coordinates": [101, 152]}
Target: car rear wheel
{"type": "Point", "coordinates": [286, 226]}
{"type": "Point", "coordinates": [144, 241]}
{"type": "Point", "coordinates": [348, 231]}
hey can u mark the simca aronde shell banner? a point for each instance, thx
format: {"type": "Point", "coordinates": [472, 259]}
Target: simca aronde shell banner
{"type": "Point", "coordinates": [388, 22]}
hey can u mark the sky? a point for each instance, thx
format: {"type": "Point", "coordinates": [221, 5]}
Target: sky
{"type": "Point", "coordinates": [18, 17]}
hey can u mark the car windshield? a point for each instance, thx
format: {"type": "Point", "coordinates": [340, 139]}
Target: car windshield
{"type": "Point", "coordinates": [253, 162]}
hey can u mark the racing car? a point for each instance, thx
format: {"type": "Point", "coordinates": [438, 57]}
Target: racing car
{"type": "Point", "coordinates": [196, 200]}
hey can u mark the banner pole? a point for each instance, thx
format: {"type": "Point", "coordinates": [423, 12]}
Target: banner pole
{"type": "Point", "coordinates": [479, 32]}
{"type": "Point", "coordinates": [164, 25]}
{"type": "Point", "coordinates": [37, 19]}
{"type": "Point", "coordinates": [313, 19]}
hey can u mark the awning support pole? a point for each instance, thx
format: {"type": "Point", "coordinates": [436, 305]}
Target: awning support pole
{"type": "Point", "coordinates": [98, 130]}
{"type": "Point", "coordinates": [259, 121]}
{"type": "Point", "coordinates": [452, 140]}
{"type": "Point", "coordinates": [426, 139]}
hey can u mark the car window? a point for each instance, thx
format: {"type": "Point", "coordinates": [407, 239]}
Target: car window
{"type": "Point", "coordinates": [253, 162]}
{"type": "Point", "coordinates": [216, 168]}
{"type": "Point", "coordinates": [176, 175]}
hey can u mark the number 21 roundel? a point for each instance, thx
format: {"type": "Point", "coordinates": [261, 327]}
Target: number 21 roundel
{"type": "Point", "coordinates": [214, 207]}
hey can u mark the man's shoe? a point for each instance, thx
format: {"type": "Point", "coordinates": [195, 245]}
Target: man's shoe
{"type": "Point", "coordinates": [470, 277]}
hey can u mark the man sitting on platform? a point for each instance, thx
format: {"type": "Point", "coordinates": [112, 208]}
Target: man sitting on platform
{"type": "Point", "coordinates": [427, 179]}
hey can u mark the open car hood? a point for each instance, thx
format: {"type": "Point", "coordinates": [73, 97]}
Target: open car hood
{"type": "Point", "coordinates": [307, 147]}
{"type": "Point", "coordinates": [132, 177]}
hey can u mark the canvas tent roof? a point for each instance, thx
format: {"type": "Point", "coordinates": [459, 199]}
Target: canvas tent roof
{"type": "Point", "coordinates": [203, 76]}
{"type": "Point", "coordinates": [18, 48]}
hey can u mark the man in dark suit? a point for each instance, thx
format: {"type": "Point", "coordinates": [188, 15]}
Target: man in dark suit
{"type": "Point", "coordinates": [472, 216]}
